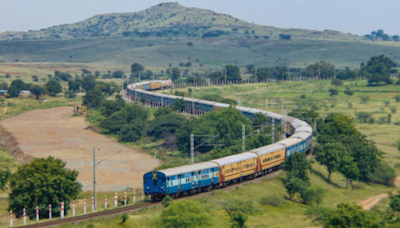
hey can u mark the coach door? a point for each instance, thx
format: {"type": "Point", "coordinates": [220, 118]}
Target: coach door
{"type": "Point", "coordinates": [212, 176]}
{"type": "Point", "coordinates": [179, 184]}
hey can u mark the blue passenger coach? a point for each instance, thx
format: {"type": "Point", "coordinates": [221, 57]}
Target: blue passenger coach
{"type": "Point", "coordinates": [181, 180]}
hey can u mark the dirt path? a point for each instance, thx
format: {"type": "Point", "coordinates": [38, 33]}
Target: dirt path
{"type": "Point", "coordinates": [54, 132]}
{"type": "Point", "coordinates": [369, 203]}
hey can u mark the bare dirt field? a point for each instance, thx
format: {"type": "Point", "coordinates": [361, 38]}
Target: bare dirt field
{"type": "Point", "coordinates": [54, 132]}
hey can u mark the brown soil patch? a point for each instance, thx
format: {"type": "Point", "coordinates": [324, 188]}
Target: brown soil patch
{"type": "Point", "coordinates": [54, 132]}
{"type": "Point", "coordinates": [370, 202]}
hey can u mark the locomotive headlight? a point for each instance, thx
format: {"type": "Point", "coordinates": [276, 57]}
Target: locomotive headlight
{"type": "Point", "coordinates": [162, 187]}
{"type": "Point", "coordinates": [147, 187]}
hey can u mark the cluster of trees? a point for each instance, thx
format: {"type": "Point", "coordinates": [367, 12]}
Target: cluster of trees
{"type": "Point", "coordinates": [96, 92]}
{"type": "Point", "coordinates": [381, 35]}
{"type": "Point", "coordinates": [297, 182]}
{"type": "Point", "coordinates": [51, 88]}
{"type": "Point", "coordinates": [190, 213]}
{"type": "Point", "coordinates": [351, 215]}
{"type": "Point", "coordinates": [342, 148]}
{"type": "Point", "coordinates": [378, 69]}
{"type": "Point", "coordinates": [131, 122]}
{"type": "Point", "coordinates": [52, 184]}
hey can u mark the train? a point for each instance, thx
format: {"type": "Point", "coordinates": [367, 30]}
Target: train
{"type": "Point", "coordinates": [218, 173]}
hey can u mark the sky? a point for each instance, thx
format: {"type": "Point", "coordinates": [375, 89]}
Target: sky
{"type": "Point", "coordinates": [351, 16]}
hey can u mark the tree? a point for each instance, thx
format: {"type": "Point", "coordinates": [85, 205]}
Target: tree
{"type": "Point", "coordinates": [312, 194]}
{"type": "Point", "coordinates": [349, 169]}
{"type": "Point", "coordinates": [167, 201]}
{"type": "Point", "coordinates": [259, 120]}
{"type": "Point", "coordinates": [51, 183]}
{"type": "Point", "coordinates": [179, 105]}
{"type": "Point", "coordinates": [118, 74]}
{"type": "Point", "coordinates": [53, 88]}
{"type": "Point", "coordinates": [93, 98]}
{"type": "Point", "coordinates": [37, 90]}
{"type": "Point", "coordinates": [348, 92]}
{"type": "Point", "coordinates": [378, 69]}
{"type": "Point", "coordinates": [64, 76]}
{"type": "Point", "coordinates": [346, 74]}
{"type": "Point", "coordinates": [3, 86]}
{"type": "Point", "coordinates": [294, 185]}
{"type": "Point", "coordinates": [16, 87]}
{"type": "Point", "coordinates": [336, 82]}
{"type": "Point", "coordinates": [298, 165]}
{"type": "Point", "coordinates": [5, 174]}
{"type": "Point", "coordinates": [73, 85]}
{"type": "Point", "coordinates": [363, 117]}
{"type": "Point", "coordinates": [136, 68]}
{"type": "Point", "coordinates": [165, 125]}
{"type": "Point", "coordinates": [175, 73]}
{"type": "Point", "coordinates": [329, 155]}
{"type": "Point", "coordinates": [88, 83]}
{"type": "Point", "coordinates": [397, 98]}
{"type": "Point", "coordinates": [285, 36]}
{"type": "Point", "coordinates": [395, 202]}
{"type": "Point", "coordinates": [237, 210]}
{"type": "Point", "coordinates": [109, 107]}
{"type": "Point", "coordinates": [333, 92]}
{"type": "Point", "coordinates": [321, 68]}
{"type": "Point", "coordinates": [347, 216]}
{"type": "Point", "coordinates": [184, 213]}
{"type": "Point", "coordinates": [364, 99]}
{"type": "Point", "coordinates": [132, 132]}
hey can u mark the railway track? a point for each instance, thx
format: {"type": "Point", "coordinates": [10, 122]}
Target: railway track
{"type": "Point", "coordinates": [81, 218]}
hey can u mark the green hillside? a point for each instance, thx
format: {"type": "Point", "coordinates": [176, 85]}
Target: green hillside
{"type": "Point", "coordinates": [171, 33]}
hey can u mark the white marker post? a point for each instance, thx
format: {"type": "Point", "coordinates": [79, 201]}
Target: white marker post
{"type": "Point", "coordinates": [73, 207]}
{"type": "Point", "coordinates": [92, 204]}
{"type": "Point", "coordinates": [84, 206]}
{"type": "Point", "coordinates": [62, 210]}
{"type": "Point", "coordinates": [49, 211]}
{"type": "Point", "coordinates": [134, 196]}
{"type": "Point", "coordinates": [11, 218]}
{"type": "Point", "coordinates": [115, 200]}
{"type": "Point", "coordinates": [125, 199]}
{"type": "Point", "coordinates": [142, 194]}
{"type": "Point", "coordinates": [24, 216]}
{"type": "Point", "coordinates": [37, 214]}
{"type": "Point", "coordinates": [105, 202]}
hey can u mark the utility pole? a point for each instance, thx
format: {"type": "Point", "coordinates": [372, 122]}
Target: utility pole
{"type": "Point", "coordinates": [136, 91]}
{"type": "Point", "coordinates": [192, 100]}
{"type": "Point", "coordinates": [255, 74]}
{"type": "Point", "coordinates": [273, 130]}
{"type": "Point", "coordinates": [191, 148]}
{"type": "Point", "coordinates": [266, 104]}
{"type": "Point", "coordinates": [243, 138]}
{"type": "Point", "coordinates": [225, 75]}
{"type": "Point", "coordinates": [95, 164]}
{"type": "Point", "coordinates": [170, 75]}
{"type": "Point", "coordinates": [94, 178]}
{"type": "Point", "coordinates": [139, 76]}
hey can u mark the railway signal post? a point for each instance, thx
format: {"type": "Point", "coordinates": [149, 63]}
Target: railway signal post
{"type": "Point", "coordinates": [84, 206]}
{"type": "Point", "coordinates": [37, 214]}
{"type": "Point", "coordinates": [50, 211]}
{"type": "Point", "coordinates": [105, 202]}
{"type": "Point", "coordinates": [92, 204]}
{"type": "Point", "coordinates": [134, 196]}
{"type": "Point", "coordinates": [73, 207]}
{"type": "Point", "coordinates": [125, 199]}
{"type": "Point", "coordinates": [62, 210]}
{"type": "Point", "coordinates": [11, 218]}
{"type": "Point", "coordinates": [115, 200]}
{"type": "Point", "coordinates": [24, 216]}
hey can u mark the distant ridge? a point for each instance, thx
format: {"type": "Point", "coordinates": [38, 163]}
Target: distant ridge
{"type": "Point", "coordinates": [168, 20]}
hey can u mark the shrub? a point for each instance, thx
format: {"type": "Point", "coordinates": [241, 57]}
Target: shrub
{"type": "Point", "coordinates": [271, 200]}
{"type": "Point", "coordinates": [166, 201]}
{"type": "Point", "coordinates": [124, 218]}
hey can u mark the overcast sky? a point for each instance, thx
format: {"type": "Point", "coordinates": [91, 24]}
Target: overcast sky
{"type": "Point", "coordinates": [353, 16]}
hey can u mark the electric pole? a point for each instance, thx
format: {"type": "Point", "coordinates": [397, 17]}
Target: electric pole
{"type": "Point", "coordinates": [225, 75]}
{"type": "Point", "coordinates": [170, 75]}
{"type": "Point", "coordinates": [266, 104]}
{"type": "Point", "coordinates": [94, 178]}
{"type": "Point", "coordinates": [193, 101]}
{"type": "Point", "coordinates": [191, 148]}
{"type": "Point", "coordinates": [273, 130]}
{"type": "Point", "coordinates": [255, 74]}
{"type": "Point", "coordinates": [243, 138]}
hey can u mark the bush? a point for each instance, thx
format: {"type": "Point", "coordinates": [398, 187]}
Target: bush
{"type": "Point", "coordinates": [124, 218]}
{"type": "Point", "coordinates": [166, 201]}
{"type": "Point", "coordinates": [70, 94]}
{"type": "Point", "coordinates": [271, 200]}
